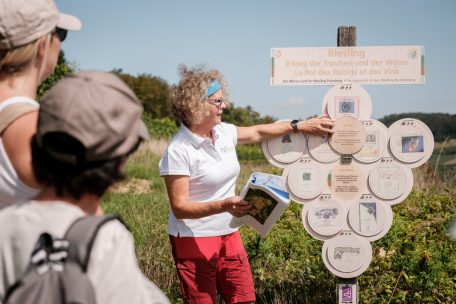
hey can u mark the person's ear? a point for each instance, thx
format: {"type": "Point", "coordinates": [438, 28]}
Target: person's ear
{"type": "Point", "coordinates": [42, 46]}
{"type": "Point", "coordinates": [41, 52]}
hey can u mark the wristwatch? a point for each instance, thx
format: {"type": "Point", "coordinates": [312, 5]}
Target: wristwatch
{"type": "Point", "coordinates": [294, 125]}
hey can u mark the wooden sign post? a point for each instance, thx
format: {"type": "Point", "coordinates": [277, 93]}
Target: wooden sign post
{"type": "Point", "coordinates": [347, 289]}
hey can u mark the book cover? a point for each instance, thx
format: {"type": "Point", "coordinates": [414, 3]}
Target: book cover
{"type": "Point", "coordinates": [266, 192]}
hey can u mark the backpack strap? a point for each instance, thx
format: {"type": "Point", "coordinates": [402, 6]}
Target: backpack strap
{"type": "Point", "coordinates": [81, 236]}
{"type": "Point", "coordinates": [9, 112]}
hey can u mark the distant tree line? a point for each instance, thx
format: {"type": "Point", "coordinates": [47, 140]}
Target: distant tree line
{"type": "Point", "coordinates": [155, 94]}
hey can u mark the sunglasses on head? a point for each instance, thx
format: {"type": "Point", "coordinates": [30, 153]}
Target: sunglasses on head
{"type": "Point", "coordinates": [61, 33]}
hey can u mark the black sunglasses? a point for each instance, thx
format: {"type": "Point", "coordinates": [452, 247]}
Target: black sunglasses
{"type": "Point", "coordinates": [61, 33]}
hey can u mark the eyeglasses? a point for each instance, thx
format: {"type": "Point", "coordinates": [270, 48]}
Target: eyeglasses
{"type": "Point", "coordinates": [216, 102]}
{"type": "Point", "coordinates": [61, 33]}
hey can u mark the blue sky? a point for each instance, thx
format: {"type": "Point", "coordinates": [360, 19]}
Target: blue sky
{"type": "Point", "coordinates": [236, 36]}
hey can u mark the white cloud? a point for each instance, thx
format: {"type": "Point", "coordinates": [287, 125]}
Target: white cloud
{"type": "Point", "coordinates": [294, 101]}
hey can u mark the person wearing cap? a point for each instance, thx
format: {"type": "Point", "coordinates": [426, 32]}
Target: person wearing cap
{"type": "Point", "coordinates": [200, 169]}
{"type": "Point", "coordinates": [30, 37]}
{"type": "Point", "coordinates": [88, 125]}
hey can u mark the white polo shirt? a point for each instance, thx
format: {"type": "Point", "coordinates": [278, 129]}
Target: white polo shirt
{"type": "Point", "coordinates": [213, 170]}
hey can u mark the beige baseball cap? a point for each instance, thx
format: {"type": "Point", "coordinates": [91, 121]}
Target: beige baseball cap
{"type": "Point", "coordinates": [96, 108]}
{"type": "Point", "coordinates": [23, 21]}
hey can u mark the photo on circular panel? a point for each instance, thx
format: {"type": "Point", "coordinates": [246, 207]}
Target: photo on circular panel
{"type": "Point", "coordinates": [389, 180]}
{"type": "Point", "coordinates": [347, 100]}
{"type": "Point", "coordinates": [370, 218]}
{"type": "Point", "coordinates": [308, 227]}
{"type": "Point", "coordinates": [375, 144]}
{"type": "Point", "coordinates": [326, 217]}
{"type": "Point", "coordinates": [305, 179]}
{"type": "Point", "coordinates": [347, 255]}
{"type": "Point", "coordinates": [283, 150]}
{"type": "Point", "coordinates": [411, 141]}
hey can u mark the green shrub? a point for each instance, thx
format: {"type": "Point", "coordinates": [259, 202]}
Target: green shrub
{"type": "Point", "coordinates": [250, 152]}
{"type": "Point", "coordinates": [160, 127]}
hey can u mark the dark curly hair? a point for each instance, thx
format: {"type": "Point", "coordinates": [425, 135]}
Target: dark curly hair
{"type": "Point", "coordinates": [75, 180]}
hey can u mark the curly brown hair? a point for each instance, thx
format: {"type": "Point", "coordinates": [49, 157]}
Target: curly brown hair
{"type": "Point", "coordinates": [189, 95]}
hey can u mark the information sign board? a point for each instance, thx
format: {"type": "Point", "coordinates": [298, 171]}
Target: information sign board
{"type": "Point", "coordinates": [336, 65]}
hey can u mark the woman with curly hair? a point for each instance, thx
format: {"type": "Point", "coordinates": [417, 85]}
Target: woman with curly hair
{"type": "Point", "coordinates": [200, 168]}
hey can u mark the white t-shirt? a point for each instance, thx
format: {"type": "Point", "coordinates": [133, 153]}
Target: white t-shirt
{"type": "Point", "coordinates": [12, 189]}
{"type": "Point", "coordinates": [213, 170]}
{"type": "Point", "coordinates": [113, 268]}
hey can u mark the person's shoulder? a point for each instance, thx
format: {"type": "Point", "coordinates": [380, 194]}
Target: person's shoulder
{"type": "Point", "coordinates": [24, 221]}
{"type": "Point", "coordinates": [21, 100]}
{"type": "Point", "coordinates": [39, 211]}
{"type": "Point", "coordinates": [112, 239]}
{"type": "Point", "coordinates": [226, 129]}
{"type": "Point", "coordinates": [6, 219]}
{"type": "Point", "coordinates": [20, 111]}
{"type": "Point", "coordinates": [6, 211]}
{"type": "Point", "coordinates": [180, 143]}
{"type": "Point", "coordinates": [224, 125]}
{"type": "Point", "coordinates": [113, 230]}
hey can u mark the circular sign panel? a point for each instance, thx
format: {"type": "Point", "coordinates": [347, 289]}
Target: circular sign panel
{"type": "Point", "coordinates": [347, 100]}
{"type": "Point", "coordinates": [370, 218]}
{"type": "Point", "coordinates": [326, 217]}
{"type": "Point", "coordinates": [284, 150]}
{"type": "Point", "coordinates": [287, 148]}
{"type": "Point", "coordinates": [346, 182]}
{"type": "Point", "coordinates": [388, 180]}
{"type": "Point", "coordinates": [375, 144]}
{"type": "Point", "coordinates": [349, 135]}
{"type": "Point", "coordinates": [320, 150]}
{"type": "Point", "coordinates": [411, 141]}
{"type": "Point", "coordinates": [305, 179]}
{"type": "Point", "coordinates": [347, 255]}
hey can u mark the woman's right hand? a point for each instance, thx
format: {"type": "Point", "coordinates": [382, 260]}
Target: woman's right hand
{"type": "Point", "coordinates": [236, 206]}
{"type": "Point", "coordinates": [321, 126]}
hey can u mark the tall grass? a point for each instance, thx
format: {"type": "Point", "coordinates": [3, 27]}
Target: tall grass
{"type": "Point", "coordinates": [414, 263]}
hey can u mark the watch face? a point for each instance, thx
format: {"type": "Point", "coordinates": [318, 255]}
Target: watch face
{"type": "Point", "coordinates": [294, 125]}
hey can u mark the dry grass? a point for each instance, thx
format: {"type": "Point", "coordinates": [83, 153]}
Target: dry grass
{"type": "Point", "coordinates": [134, 185]}
{"type": "Point", "coordinates": [155, 146]}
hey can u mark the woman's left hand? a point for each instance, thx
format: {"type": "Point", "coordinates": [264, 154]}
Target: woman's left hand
{"type": "Point", "coordinates": [236, 206]}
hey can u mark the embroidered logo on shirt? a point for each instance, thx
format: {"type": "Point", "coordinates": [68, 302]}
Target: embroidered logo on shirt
{"type": "Point", "coordinates": [226, 149]}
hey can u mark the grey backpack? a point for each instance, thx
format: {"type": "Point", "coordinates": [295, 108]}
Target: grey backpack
{"type": "Point", "coordinates": [57, 271]}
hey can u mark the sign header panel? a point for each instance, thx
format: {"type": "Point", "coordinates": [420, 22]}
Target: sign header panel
{"type": "Point", "coordinates": [362, 65]}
